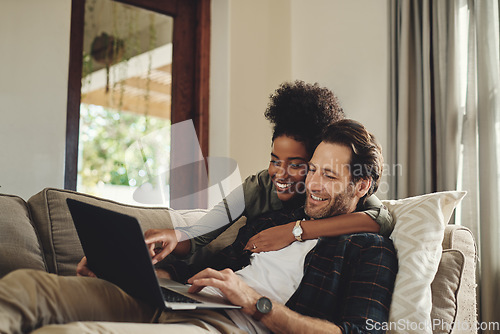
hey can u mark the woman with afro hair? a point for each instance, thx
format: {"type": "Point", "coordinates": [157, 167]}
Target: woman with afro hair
{"type": "Point", "coordinates": [299, 112]}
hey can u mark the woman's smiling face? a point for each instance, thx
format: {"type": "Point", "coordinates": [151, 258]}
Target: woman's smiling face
{"type": "Point", "coordinates": [288, 167]}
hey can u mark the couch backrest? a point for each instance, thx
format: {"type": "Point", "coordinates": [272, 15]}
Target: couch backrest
{"type": "Point", "coordinates": [20, 245]}
{"type": "Point", "coordinates": [52, 220]}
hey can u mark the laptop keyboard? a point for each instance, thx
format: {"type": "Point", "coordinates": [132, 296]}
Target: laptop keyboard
{"type": "Point", "coordinates": [175, 297]}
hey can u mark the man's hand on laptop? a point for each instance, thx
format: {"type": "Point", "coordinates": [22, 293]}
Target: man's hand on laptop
{"type": "Point", "coordinates": [162, 242]}
{"type": "Point", "coordinates": [83, 270]}
{"type": "Point", "coordinates": [235, 290]}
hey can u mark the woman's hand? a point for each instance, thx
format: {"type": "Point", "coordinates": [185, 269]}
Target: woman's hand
{"type": "Point", "coordinates": [272, 239]}
{"type": "Point", "coordinates": [82, 268]}
{"type": "Point", "coordinates": [161, 242]}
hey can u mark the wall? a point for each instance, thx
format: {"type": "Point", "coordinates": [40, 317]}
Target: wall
{"type": "Point", "coordinates": [344, 45]}
{"type": "Point", "coordinates": [250, 57]}
{"type": "Point", "coordinates": [340, 44]}
{"type": "Point", "coordinates": [33, 86]}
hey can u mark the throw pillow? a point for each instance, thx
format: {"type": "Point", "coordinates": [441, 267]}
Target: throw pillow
{"type": "Point", "coordinates": [417, 236]}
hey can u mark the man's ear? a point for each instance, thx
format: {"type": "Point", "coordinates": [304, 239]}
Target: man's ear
{"type": "Point", "coordinates": [362, 187]}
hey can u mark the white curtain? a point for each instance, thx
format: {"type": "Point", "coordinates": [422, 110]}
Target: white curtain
{"type": "Point", "coordinates": [445, 106]}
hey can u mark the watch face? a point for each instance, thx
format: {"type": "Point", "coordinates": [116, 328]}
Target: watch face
{"type": "Point", "coordinates": [264, 305]}
{"type": "Point", "coordinates": [297, 231]}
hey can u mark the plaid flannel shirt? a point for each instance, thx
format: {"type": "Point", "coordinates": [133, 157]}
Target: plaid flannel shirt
{"type": "Point", "coordinates": [348, 280]}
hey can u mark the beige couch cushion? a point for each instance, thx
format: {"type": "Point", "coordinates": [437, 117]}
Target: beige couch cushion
{"type": "Point", "coordinates": [461, 238]}
{"type": "Point", "coordinates": [19, 243]}
{"type": "Point", "coordinates": [445, 289]}
{"type": "Point", "coordinates": [58, 236]}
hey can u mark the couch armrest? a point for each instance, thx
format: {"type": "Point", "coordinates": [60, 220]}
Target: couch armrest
{"type": "Point", "coordinates": [19, 243]}
{"type": "Point", "coordinates": [454, 286]}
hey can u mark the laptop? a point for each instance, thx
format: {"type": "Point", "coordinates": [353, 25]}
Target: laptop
{"type": "Point", "coordinates": [115, 249]}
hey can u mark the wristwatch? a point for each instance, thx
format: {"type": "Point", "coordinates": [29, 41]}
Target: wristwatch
{"type": "Point", "coordinates": [263, 306]}
{"type": "Point", "coordinates": [297, 231]}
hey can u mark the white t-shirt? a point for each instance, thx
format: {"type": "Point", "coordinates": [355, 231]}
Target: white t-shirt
{"type": "Point", "coordinates": [276, 275]}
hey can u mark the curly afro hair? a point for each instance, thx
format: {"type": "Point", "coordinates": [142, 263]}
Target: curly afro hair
{"type": "Point", "coordinates": [302, 111]}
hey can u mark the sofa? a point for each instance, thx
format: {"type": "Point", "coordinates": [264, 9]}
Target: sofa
{"type": "Point", "coordinates": [39, 234]}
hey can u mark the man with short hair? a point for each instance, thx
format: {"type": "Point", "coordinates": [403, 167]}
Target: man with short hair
{"type": "Point", "coordinates": [340, 285]}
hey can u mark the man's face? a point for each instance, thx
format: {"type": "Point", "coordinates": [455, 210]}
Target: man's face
{"type": "Point", "coordinates": [330, 191]}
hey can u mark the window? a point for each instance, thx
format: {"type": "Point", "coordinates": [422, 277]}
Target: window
{"type": "Point", "coordinates": [117, 97]}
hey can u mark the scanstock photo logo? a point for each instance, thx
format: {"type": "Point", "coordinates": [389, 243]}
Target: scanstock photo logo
{"type": "Point", "coordinates": [175, 154]}
{"type": "Point", "coordinates": [434, 325]}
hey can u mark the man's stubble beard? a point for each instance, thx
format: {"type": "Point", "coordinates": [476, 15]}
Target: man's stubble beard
{"type": "Point", "coordinates": [341, 204]}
